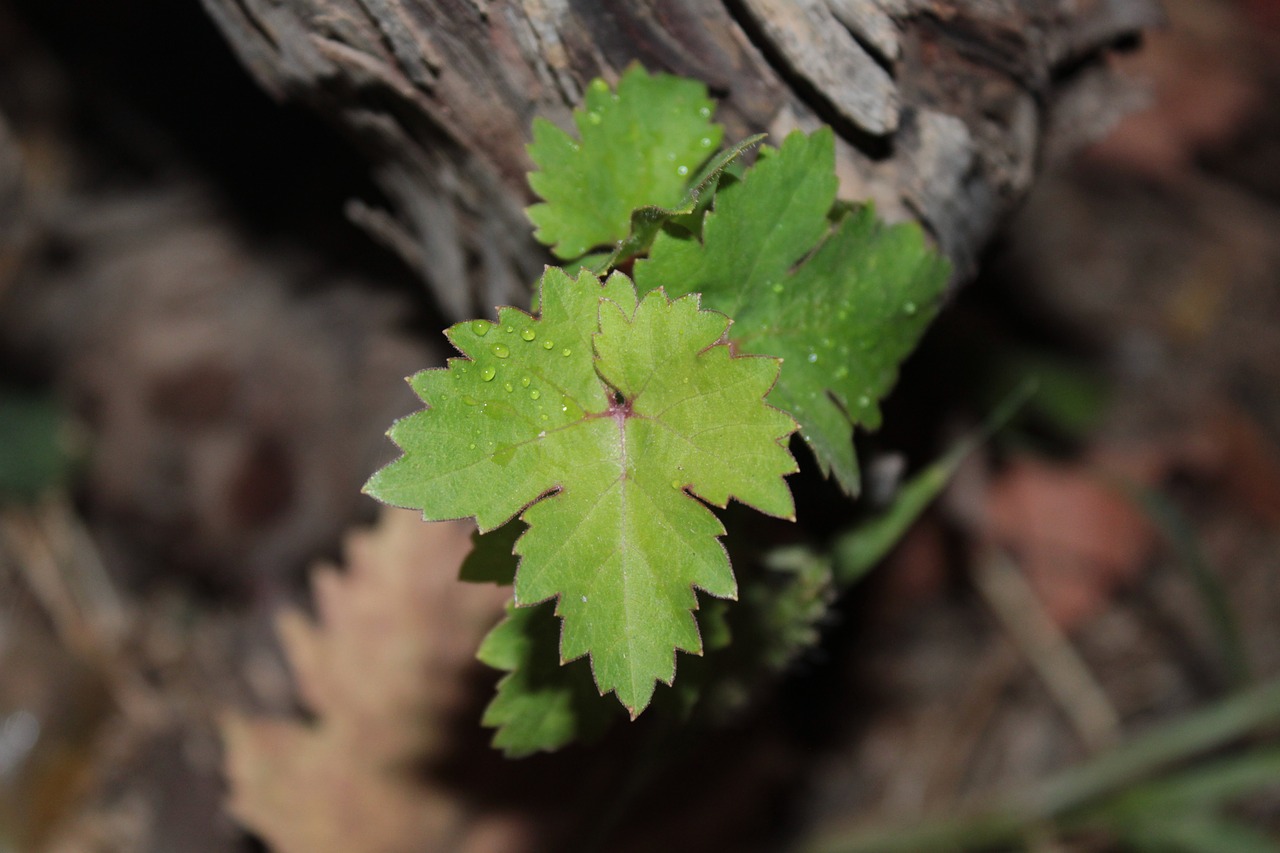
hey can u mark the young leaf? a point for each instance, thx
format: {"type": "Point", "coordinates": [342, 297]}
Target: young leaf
{"type": "Point", "coordinates": [540, 705]}
{"type": "Point", "coordinates": [647, 221]}
{"type": "Point", "coordinates": [639, 147]}
{"type": "Point", "coordinates": [842, 305]}
{"type": "Point", "coordinates": [602, 419]}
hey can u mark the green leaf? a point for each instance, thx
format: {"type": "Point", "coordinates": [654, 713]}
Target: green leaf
{"type": "Point", "coordinates": [540, 706]}
{"type": "Point", "coordinates": [639, 147]}
{"type": "Point", "coordinates": [602, 420]}
{"type": "Point", "coordinates": [647, 221]}
{"type": "Point", "coordinates": [842, 304]}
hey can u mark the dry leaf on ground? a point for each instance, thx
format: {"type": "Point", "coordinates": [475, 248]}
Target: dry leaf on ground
{"type": "Point", "coordinates": [382, 668]}
{"type": "Point", "coordinates": [1076, 538]}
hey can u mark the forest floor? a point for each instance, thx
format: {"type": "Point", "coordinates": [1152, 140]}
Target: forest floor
{"type": "Point", "coordinates": [230, 351]}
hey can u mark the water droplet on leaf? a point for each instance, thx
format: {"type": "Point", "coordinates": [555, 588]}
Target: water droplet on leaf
{"type": "Point", "coordinates": [528, 334]}
{"type": "Point", "coordinates": [524, 381]}
{"type": "Point", "coordinates": [548, 345]}
{"type": "Point", "coordinates": [566, 352]}
{"type": "Point", "coordinates": [813, 358]}
{"type": "Point", "coordinates": [571, 408]}
{"type": "Point", "coordinates": [910, 308]}
{"type": "Point", "coordinates": [682, 170]}
{"type": "Point", "coordinates": [593, 117]}
{"type": "Point", "coordinates": [503, 454]}
{"type": "Point", "coordinates": [488, 373]}
{"type": "Point", "coordinates": [480, 327]}
{"type": "Point", "coordinates": [535, 394]}
{"type": "Point", "coordinates": [501, 351]}
{"type": "Point", "coordinates": [509, 387]}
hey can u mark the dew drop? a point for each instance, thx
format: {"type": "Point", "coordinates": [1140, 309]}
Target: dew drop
{"type": "Point", "coordinates": [777, 288]}
{"type": "Point", "coordinates": [584, 599]}
{"type": "Point", "coordinates": [488, 373]}
{"type": "Point", "coordinates": [548, 345]}
{"type": "Point", "coordinates": [675, 484]}
{"type": "Point", "coordinates": [909, 308]}
{"type": "Point", "coordinates": [471, 446]}
{"type": "Point", "coordinates": [671, 155]}
{"type": "Point", "coordinates": [842, 372]}
{"type": "Point", "coordinates": [501, 351]}
{"type": "Point", "coordinates": [599, 85]}
{"type": "Point", "coordinates": [705, 112]}
{"type": "Point", "coordinates": [571, 408]}
{"type": "Point", "coordinates": [528, 334]}
{"type": "Point", "coordinates": [470, 401]}
{"type": "Point", "coordinates": [480, 327]}
{"type": "Point", "coordinates": [864, 401]}
{"type": "Point", "coordinates": [705, 142]}
{"type": "Point", "coordinates": [543, 416]}
{"type": "Point", "coordinates": [509, 329]}
{"type": "Point", "coordinates": [535, 394]}
{"type": "Point", "coordinates": [593, 117]}
{"type": "Point", "coordinates": [509, 387]}
{"type": "Point", "coordinates": [566, 352]}
{"type": "Point", "coordinates": [503, 454]}
{"type": "Point", "coordinates": [524, 381]}
{"type": "Point", "coordinates": [813, 358]}
{"type": "Point", "coordinates": [682, 170]}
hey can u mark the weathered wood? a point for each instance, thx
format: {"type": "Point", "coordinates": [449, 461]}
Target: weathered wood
{"type": "Point", "coordinates": [944, 107]}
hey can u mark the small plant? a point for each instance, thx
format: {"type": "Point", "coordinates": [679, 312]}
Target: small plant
{"type": "Point", "coordinates": [609, 418]}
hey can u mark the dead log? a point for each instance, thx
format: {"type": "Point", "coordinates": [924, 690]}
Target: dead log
{"type": "Point", "coordinates": [945, 108]}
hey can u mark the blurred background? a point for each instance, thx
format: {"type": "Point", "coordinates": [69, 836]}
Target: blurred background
{"type": "Point", "coordinates": [199, 356]}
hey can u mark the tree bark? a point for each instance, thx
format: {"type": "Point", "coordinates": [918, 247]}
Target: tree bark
{"type": "Point", "coordinates": [945, 108]}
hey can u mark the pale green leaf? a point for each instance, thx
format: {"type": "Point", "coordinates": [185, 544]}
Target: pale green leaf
{"type": "Point", "coordinates": [636, 148]}
{"type": "Point", "coordinates": [600, 421]}
{"type": "Point", "coordinates": [842, 304]}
